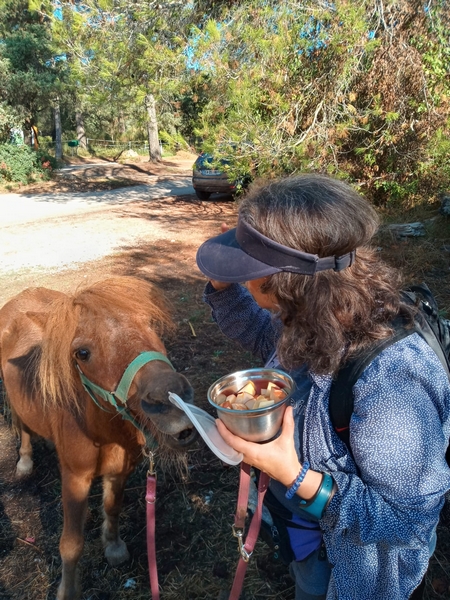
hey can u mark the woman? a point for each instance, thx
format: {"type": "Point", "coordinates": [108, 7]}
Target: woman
{"type": "Point", "coordinates": [316, 296]}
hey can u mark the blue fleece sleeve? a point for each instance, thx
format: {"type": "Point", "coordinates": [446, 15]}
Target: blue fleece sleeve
{"type": "Point", "coordinates": [241, 319]}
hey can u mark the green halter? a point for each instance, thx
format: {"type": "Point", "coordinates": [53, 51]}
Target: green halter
{"type": "Point", "coordinates": [121, 392]}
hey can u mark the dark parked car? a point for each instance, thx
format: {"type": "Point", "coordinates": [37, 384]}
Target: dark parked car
{"type": "Point", "coordinates": [208, 177]}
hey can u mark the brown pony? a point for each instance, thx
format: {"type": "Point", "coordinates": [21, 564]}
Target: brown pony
{"type": "Point", "coordinates": [61, 357]}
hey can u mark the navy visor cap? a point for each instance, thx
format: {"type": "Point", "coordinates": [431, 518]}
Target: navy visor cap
{"type": "Point", "coordinates": [243, 254]}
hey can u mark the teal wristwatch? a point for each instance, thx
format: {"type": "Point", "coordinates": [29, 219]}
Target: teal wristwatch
{"type": "Point", "coordinates": [317, 505]}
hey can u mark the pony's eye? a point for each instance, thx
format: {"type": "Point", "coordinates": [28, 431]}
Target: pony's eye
{"type": "Point", "coordinates": [82, 354]}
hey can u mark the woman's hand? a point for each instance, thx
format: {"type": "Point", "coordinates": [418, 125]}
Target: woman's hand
{"type": "Point", "coordinates": [277, 458]}
{"type": "Point", "coordinates": [220, 285]}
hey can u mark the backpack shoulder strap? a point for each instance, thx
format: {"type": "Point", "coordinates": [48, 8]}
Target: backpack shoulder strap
{"type": "Point", "coordinates": [341, 393]}
{"type": "Point", "coordinates": [428, 324]}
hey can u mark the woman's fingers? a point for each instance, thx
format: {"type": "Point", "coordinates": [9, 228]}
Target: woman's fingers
{"type": "Point", "coordinates": [278, 458]}
{"type": "Point", "coordinates": [233, 440]}
{"type": "Point", "coordinates": [286, 436]}
{"type": "Point", "coordinates": [288, 421]}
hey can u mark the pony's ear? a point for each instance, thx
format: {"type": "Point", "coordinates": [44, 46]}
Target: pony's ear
{"type": "Point", "coordinates": [40, 318]}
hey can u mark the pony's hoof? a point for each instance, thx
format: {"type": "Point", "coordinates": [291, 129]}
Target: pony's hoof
{"type": "Point", "coordinates": [24, 467]}
{"type": "Point", "coordinates": [69, 593]}
{"type": "Point", "coordinates": [116, 553]}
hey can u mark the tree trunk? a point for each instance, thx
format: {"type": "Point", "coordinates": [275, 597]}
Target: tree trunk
{"type": "Point", "coordinates": [81, 134]}
{"type": "Point", "coordinates": [122, 125]}
{"type": "Point", "coordinates": [58, 136]}
{"type": "Point", "coordinates": [154, 149]}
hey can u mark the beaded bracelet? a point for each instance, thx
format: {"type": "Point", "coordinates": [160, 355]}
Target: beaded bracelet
{"type": "Point", "coordinates": [300, 477]}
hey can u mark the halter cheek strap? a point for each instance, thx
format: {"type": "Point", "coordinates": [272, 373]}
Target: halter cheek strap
{"type": "Point", "coordinates": [121, 392]}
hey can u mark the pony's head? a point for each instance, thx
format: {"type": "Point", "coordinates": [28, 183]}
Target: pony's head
{"type": "Point", "coordinates": [99, 331]}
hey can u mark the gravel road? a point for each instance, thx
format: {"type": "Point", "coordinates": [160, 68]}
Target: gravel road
{"type": "Point", "coordinates": [28, 235]}
{"type": "Point", "coordinates": [50, 232]}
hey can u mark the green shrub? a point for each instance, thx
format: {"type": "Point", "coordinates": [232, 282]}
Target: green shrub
{"type": "Point", "coordinates": [22, 164]}
{"type": "Point", "coordinates": [47, 163]}
{"type": "Point", "coordinates": [172, 143]}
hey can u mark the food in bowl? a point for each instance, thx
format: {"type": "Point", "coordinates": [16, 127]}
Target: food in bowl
{"type": "Point", "coordinates": [256, 422]}
{"type": "Point", "coordinates": [248, 398]}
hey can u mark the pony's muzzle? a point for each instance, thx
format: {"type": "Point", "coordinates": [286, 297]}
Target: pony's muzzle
{"type": "Point", "coordinates": [171, 421]}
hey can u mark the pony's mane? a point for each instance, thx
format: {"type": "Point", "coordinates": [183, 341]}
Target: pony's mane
{"type": "Point", "coordinates": [58, 378]}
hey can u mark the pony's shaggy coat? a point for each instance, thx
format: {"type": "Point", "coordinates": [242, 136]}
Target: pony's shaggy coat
{"type": "Point", "coordinates": [46, 337]}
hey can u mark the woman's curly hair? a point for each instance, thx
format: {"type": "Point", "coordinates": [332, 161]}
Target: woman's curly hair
{"type": "Point", "coordinates": [331, 316]}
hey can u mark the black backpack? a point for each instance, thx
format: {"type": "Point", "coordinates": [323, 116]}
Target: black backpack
{"type": "Point", "coordinates": [430, 326]}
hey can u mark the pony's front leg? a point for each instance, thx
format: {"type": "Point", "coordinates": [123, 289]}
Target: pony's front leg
{"type": "Point", "coordinates": [75, 491]}
{"type": "Point", "coordinates": [25, 464]}
{"type": "Point", "coordinates": [115, 548]}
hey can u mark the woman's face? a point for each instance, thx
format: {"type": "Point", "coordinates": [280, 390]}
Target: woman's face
{"type": "Point", "coordinates": [263, 300]}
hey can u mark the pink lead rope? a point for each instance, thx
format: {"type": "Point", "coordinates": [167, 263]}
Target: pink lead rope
{"type": "Point", "coordinates": [246, 548]}
{"type": "Point", "coordinates": [150, 499]}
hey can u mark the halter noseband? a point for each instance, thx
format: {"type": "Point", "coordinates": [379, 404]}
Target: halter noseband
{"type": "Point", "coordinates": [121, 392]}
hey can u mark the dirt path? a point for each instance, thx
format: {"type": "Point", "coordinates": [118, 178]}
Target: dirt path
{"type": "Point", "coordinates": [54, 238]}
{"type": "Point", "coordinates": [48, 236]}
{"type": "Point", "coordinates": [107, 175]}
{"type": "Point", "coordinates": [59, 251]}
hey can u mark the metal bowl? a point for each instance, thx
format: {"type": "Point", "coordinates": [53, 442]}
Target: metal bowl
{"type": "Point", "coordinates": [260, 424]}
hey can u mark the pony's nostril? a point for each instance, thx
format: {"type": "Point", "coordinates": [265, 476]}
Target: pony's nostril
{"type": "Point", "coordinates": [186, 434]}
{"type": "Point", "coordinates": [155, 408]}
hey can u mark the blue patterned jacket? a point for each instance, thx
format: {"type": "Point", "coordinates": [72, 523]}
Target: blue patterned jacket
{"type": "Point", "coordinates": [380, 523]}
